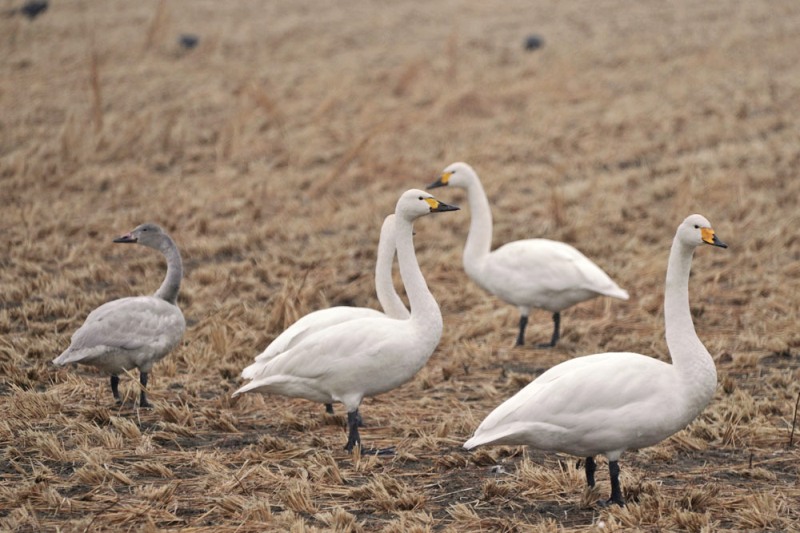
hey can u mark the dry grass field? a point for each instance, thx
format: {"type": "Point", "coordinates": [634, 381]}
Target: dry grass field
{"type": "Point", "coordinates": [272, 151]}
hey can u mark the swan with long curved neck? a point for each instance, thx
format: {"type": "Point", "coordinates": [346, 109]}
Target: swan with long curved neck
{"type": "Point", "coordinates": [133, 332]}
{"type": "Point", "coordinates": [311, 323]}
{"type": "Point", "coordinates": [531, 273]}
{"type": "Point", "coordinates": [369, 356]}
{"type": "Point", "coordinates": [611, 402]}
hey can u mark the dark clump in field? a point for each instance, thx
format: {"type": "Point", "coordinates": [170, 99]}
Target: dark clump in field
{"type": "Point", "coordinates": [272, 157]}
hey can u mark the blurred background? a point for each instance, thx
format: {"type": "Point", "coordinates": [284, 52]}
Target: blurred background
{"type": "Point", "coordinates": [271, 138]}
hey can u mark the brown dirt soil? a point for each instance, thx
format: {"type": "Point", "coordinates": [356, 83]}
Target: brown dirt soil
{"type": "Point", "coordinates": [272, 151]}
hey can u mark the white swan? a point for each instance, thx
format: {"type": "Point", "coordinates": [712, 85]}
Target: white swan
{"type": "Point", "coordinates": [311, 323]}
{"type": "Point", "coordinates": [369, 356]}
{"type": "Point", "coordinates": [611, 402]}
{"type": "Point", "coordinates": [392, 305]}
{"type": "Point", "coordinates": [133, 332]}
{"type": "Point", "coordinates": [532, 273]}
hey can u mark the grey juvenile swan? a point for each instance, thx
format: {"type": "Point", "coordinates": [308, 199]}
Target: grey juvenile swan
{"type": "Point", "coordinates": [133, 332]}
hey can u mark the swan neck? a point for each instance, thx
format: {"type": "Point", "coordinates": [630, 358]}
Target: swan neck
{"type": "Point", "coordinates": [391, 303]}
{"type": "Point", "coordinates": [424, 308]}
{"type": "Point", "coordinates": [479, 239]}
{"type": "Point", "coordinates": [172, 281]}
{"type": "Point", "coordinates": [689, 356]}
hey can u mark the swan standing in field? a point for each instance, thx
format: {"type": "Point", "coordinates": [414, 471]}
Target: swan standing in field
{"type": "Point", "coordinates": [311, 323]}
{"type": "Point", "coordinates": [611, 402]}
{"type": "Point", "coordinates": [368, 356]}
{"type": "Point", "coordinates": [532, 273]}
{"type": "Point", "coordinates": [134, 332]}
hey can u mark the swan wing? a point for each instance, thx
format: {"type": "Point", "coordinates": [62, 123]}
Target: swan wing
{"type": "Point", "coordinates": [345, 362]}
{"type": "Point", "coordinates": [541, 270]}
{"type": "Point", "coordinates": [144, 323]}
{"type": "Point", "coordinates": [312, 323]}
{"type": "Point", "coordinates": [588, 405]}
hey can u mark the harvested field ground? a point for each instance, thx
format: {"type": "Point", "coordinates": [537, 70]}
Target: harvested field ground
{"type": "Point", "coordinates": [272, 151]}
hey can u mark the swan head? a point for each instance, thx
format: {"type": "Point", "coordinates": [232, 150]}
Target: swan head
{"type": "Point", "coordinates": [415, 203]}
{"type": "Point", "coordinates": [147, 234]}
{"type": "Point", "coordinates": [456, 175]}
{"type": "Point", "coordinates": [696, 230]}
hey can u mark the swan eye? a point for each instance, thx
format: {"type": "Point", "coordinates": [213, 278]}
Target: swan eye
{"type": "Point", "coordinates": [696, 226]}
{"type": "Point", "coordinates": [421, 198]}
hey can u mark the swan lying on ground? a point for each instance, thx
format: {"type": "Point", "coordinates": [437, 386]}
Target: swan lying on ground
{"type": "Point", "coordinates": [133, 332]}
{"type": "Point", "coordinates": [311, 323]}
{"type": "Point", "coordinates": [368, 356]}
{"type": "Point", "coordinates": [532, 273]}
{"type": "Point", "coordinates": [611, 402]}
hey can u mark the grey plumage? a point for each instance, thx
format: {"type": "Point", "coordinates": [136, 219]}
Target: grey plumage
{"type": "Point", "coordinates": [134, 332]}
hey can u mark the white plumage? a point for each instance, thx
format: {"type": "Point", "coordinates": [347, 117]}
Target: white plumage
{"type": "Point", "coordinates": [133, 332]}
{"type": "Point", "coordinates": [311, 323]}
{"type": "Point", "coordinates": [369, 356]}
{"type": "Point", "coordinates": [531, 273]}
{"type": "Point", "coordinates": [611, 402]}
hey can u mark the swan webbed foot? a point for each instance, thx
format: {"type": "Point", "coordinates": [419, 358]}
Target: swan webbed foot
{"type": "Point", "coordinates": [611, 501]}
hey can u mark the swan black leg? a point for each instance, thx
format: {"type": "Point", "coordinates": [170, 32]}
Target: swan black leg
{"type": "Point", "coordinates": [616, 491]}
{"type": "Point", "coordinates": [523, 323]}
{"type": "Point", "coordinates": [115, 388]}
{"type": "Point", "coordinates": [329, 408]}
{"type": "Point", "coordinates": [353, 437]}
{"type": "Point", "coordinates": [556, 332]}
{"type": "Point", "coordinates": [590, 467]}
{"type": "Point", "coordinates": [143, 403]}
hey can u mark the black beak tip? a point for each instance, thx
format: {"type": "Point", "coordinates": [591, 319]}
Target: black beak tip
{"type": "Point", "coordinates": [125, 239]}
{"type": "Point", "coordinates": [435, 185]}
{"type": "Point", "coordinates": [719, 243]}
